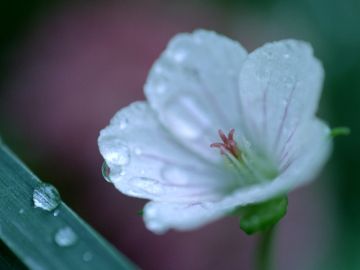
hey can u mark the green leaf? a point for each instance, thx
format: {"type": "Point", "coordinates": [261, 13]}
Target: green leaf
{"type": "Point", "coordinates": [29, 232]}
{"type": "Point", "coordinates": [340, 131]}
{"type": "Point", "coordinates": [262, 216]}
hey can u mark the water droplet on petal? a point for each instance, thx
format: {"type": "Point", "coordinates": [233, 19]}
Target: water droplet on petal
{"type": "Point", "coordinates": [105, 170]}
{"type": "Point", "coordinates": [87, 256]}
{"type": "Point", "coordinates": [56, 213]}
{"type": "Point", "coordinates": [286, 55]}
{"type": "Point", "coordinates": [123, 123]}
{"type": "Point", "coordinates": [46, 197]}
{"type": "Point", "coordinates": [65, 237]}
{"type": "Point", "coordinates": [116, 152]}
{"type": "Point", "coordinates": [179, 55]}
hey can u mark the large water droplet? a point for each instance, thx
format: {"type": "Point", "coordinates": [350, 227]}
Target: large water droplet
{"type": "Point", "coordinates": [65, 237]}
{"type": "Point", "coordinates": [185, 118]}
{"type": "Point", "coordinates": [105, 170]}
{"type": "Point", "coordinates": [115, 152]}
{"type": "Point", "coordinates": [46, 197]}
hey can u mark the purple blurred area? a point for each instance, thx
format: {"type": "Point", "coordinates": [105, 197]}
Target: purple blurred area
{"type": "Point", "coordinates": [77, 67]}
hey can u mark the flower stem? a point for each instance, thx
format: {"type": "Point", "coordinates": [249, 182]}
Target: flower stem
{"type": "Point", "coordinates": [264, 251]}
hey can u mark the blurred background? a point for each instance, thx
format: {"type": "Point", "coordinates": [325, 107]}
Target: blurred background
{"type": "Point", "coordinates": [68, 66]}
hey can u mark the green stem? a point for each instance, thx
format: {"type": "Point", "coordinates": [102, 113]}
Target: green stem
{"type": "Point", "coordinates": [264, 251]}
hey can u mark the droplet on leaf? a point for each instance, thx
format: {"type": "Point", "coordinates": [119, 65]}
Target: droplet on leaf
{"type": "Point", "coordinates": [46, 197]}
{"type": "Point", "coordinates": [87, 256]}
{"type": "Point", "coordinates": [65, 237]}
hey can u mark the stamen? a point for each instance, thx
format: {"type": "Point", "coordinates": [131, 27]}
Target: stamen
{"type": "Point", "coordinates": [222, 136]}
{"type": "Point", "coordinates": [228, 143]}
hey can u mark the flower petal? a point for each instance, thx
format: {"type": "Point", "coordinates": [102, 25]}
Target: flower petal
{"type": "Point", "coordinates": [160, 217]}
{"type": "Point", "coordinates": [312, 152]}
{"type": "Point", "coordinates": [145, 161]}
{"type": "Point", "coordinates": [193, 87]}
{"type": "Point", "coordinates": [280, 85]}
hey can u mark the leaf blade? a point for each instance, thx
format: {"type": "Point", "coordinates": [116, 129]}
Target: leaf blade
{"type": "Point", "coordinates": [29, 232]}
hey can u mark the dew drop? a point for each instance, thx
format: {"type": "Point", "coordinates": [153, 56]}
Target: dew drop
{"type": "Point", "coordinates": [179, 55]}
{"type": "Point", "coordinates": [105, 170]}
{"type": "Point", "coordinates": [87, 256]}
{"type": "Point", "coordinates": [46, 197]}
{"type": "Point", "coordinates": [65, 237]}
{"type": "Point", "coordinates": [56, 213]}
{"type": "Point", "coordinates": [21, 211]}
{"type": "Point", "coordinates": [115, 152]}
{"type": "Point", "coordinates": [123, 123]}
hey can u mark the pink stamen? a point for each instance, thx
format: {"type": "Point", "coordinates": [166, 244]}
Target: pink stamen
{"type": "Point", "coordinates": [223, 136]}
{"type": "Point", "coordinates": [228, 144]}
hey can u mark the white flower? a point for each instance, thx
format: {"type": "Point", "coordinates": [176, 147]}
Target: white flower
{"type": "Point", "coordinates": [169, 149]}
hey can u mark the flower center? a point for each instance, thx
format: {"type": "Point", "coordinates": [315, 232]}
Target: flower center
{"type": "Point", "coordinates": [251, 167]}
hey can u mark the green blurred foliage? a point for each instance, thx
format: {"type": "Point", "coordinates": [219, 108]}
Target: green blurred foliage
{"type": "Point", "coordinates": [16, 17]}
